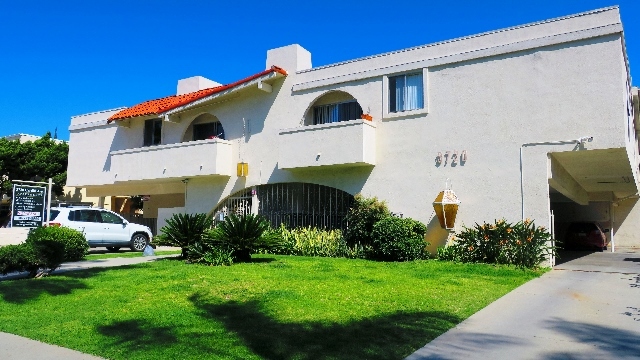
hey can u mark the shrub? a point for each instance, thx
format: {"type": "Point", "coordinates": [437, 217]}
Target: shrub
{"type": "Point", "coordinates": [74, 243]}
{"type": "Point", "coordinates": [313, 242]}
{"type": "Point", "coordinates": [521, 244]}
{"type": "Point", "coordinates": [242, 235]}
{"type": "Point", "coordinates": [362, 215]}
{"type": "Point", "coordinates": [204, 252]}
{"type": "Point", "coordinates": [49, 254]}
{"type": "Point", "coordinates": [18, 258]}
{"type": "Point", "coordinates": [31, 257]}
{"type": "Point", "coordinates": [184, 230]}
{"type": "Point", "coordinates": [398, 239]}
{"type": "Point", "coordinates": [283, 239]}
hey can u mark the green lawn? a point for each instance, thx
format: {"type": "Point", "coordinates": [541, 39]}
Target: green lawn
{"type": "Point", "coordinates": [277, 307]}
{"type": "Point", "coordinates": [129, 254]}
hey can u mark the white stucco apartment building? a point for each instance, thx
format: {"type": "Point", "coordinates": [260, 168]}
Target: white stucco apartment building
{"type": "Point", "coordinates": [523, 122]}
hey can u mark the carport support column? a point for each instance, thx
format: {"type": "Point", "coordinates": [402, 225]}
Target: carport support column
{"type": "Point", "coordinates": [612, 215]}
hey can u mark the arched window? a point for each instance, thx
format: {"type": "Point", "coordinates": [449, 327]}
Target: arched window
{"type": "Point", "coordinates": [291, 204]}
{"type": "Point", "coordinates": [205, 126]}
{"type": "Point", "coordinates": [333, 107]}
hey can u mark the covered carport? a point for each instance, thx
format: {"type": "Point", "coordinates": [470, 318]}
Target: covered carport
{"type": "Point", "coordinates": [594, 186]}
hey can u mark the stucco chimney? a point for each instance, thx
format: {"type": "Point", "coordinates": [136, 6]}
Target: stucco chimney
{"type": "Point", "coordinates": [291, 58]}
{"type": "Point", "coordinates": [195, 83]}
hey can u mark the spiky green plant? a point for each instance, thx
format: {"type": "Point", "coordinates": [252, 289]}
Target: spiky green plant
{"type": "Point", "coordinates": [242, 235]}
{"type": "Point", "coordinates": [184, 230]}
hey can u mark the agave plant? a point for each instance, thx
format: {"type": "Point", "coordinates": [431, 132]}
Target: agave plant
{"type": "Point", "coordinates": [242, 235]}
{"type": "Point", "coordinates": [184, 230]}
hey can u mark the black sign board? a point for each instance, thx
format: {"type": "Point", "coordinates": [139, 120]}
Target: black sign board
{"type": "Point", "coordinates": [28, 209]}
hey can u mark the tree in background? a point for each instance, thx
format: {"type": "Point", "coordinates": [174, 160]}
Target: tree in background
{"type": "Point", "coordinates": [24, 161]}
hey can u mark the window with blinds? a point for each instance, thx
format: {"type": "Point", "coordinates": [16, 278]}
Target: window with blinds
{"type": "Point", "coordinates": [331, 113]}
{"type": "Point", "coordinates": [406, 93]}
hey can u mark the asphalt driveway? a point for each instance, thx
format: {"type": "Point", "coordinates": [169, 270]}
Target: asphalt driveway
{"type": "Point", "coordinates": [585, 308]}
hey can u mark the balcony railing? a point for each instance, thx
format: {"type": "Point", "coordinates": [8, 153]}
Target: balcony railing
{"type": "Point", "coordinates": [347, 143]}
{"type": "Point", "coordinates": [188, 159]}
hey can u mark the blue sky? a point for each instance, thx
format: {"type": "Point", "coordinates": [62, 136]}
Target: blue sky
{"type": "Point", "coordinates": [65, 58]}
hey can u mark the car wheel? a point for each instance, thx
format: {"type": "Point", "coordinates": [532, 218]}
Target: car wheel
{"type": "Point", "coordinates": [139, 242]}
{"type": "Point", "coordinates": [113, 248]}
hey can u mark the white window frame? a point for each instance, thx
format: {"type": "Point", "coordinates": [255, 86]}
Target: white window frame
{"type": "Point", "coordinates": [385, 96]}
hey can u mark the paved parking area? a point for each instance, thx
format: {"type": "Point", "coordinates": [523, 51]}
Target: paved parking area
{"type": "Point", "coordinates": [586, 308]}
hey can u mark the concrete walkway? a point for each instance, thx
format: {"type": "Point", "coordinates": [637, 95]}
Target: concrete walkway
{"type": "Point", "coordinates": [586, 308]}
{"type": "Point", "coordinates": [13, 347]}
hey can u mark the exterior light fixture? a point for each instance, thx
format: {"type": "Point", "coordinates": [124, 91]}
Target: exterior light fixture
{"type": "Point", "coordinates": [243, 169]}
{"type": "Point", "coordinates": [446, 207]}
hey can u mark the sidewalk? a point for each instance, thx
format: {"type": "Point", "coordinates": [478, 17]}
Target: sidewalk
{"type": "Point", "coordinates": [587, 308]}
{"type": "Point", "coordinates": [13, 347]}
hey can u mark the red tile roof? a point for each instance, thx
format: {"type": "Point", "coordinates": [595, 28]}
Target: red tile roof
{"type": "Point", "coordinates": [159, 106]}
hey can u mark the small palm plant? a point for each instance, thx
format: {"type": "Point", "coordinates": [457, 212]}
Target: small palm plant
{"type": "Point", "coordinates": [242, 235]}
{"type": "Point", "coordinates": [184, 230]}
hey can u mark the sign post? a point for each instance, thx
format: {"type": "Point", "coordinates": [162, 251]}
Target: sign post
{"type": "Point", "coordinates": [28, 203]}
{"type": "Point", "coordinates": [28, 206]}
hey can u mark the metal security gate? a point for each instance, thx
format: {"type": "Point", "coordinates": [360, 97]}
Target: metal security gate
{"type": "Point", "coordinates": [239, 204]}
{"type": "Point", "coordinates": [292, 204]}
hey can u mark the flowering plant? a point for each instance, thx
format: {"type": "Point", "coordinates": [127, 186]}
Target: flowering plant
{"type": "Point", "coordinates": [521, 244]}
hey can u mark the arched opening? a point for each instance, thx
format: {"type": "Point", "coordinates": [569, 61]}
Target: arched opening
{"type": "Point", "coordinates": [334, 106]}
{"type": "Point", "coordinates": [204, 126]}
{"type": "Point", "coordinates": [291, 204]}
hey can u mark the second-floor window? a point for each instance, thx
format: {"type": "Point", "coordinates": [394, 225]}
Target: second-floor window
{"type": "Point", "coordinates": [210, 130]}
{"type": "Point", "coordinates": [406, 93]}
{"type": "Point", "coordinates": [152, 132]}
{"type": "Point", "coordinates": [330, 113]}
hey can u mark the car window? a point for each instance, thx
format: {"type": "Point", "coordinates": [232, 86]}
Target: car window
{"type": "Point", "coordinates": [87, 216]}
{"type": "Point", "coordinates": [53, 214]}
{"type": "Point", "coordinates": [583, 227]}
{"type": "Point", "coordinates": [111, 218]}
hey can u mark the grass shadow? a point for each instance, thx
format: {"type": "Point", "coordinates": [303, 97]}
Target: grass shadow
{"type": "Point", "coordinates": [22, 291]}
{"type": "Point", "coordinates": [391, 336]}
{"type": "Point", "coordinates": [138, 335]}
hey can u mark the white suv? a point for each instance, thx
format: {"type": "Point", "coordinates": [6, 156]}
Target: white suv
{"type": "Point", "coordinates": [102, 228]}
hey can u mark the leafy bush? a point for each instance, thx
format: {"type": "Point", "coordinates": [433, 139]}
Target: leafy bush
{"type": "Point", "coordinates": [50, 254]}
{"type": "Point", "coordinates": [18, 258]}
{"type": "Point", "coordinates": [204, 252]}
{"type": "Point", "coordinates": [281, 236]}
{"type": "Point", "coordinates": [74, 243]}
{"type": "Point", "coordinates": [362, 215]}
{"type": "Point", "coordinates": [521, 244]}
{"type": "Point", "coordinates": [242, 235]}
{"type": "Point", "coordinates": [31, 257]}
{"type": "Point", "coordinates": [313, 242]}
{"type": "Point", "coordinates": [184, 230]}
{"type": "Point", "coordinates": [398, 239]}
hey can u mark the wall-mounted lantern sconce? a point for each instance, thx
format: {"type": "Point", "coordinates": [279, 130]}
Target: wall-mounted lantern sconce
{"type": "Point", "coordinates": [446, 207]}
{"type": "Point", "coordinates": [243, 169]}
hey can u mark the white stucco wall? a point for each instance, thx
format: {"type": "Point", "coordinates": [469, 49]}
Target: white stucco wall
{"type": "Point", "coordinates": [486, 95]}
